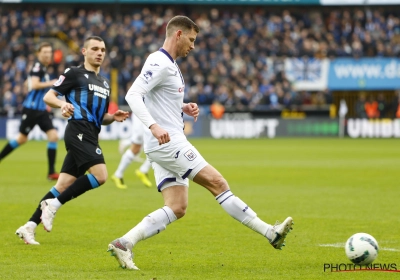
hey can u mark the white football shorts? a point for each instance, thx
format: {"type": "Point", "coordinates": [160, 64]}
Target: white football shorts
{"type": "Point", "coordinates": [175, 164]}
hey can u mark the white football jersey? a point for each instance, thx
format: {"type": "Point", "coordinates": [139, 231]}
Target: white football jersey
{"type": "Point", "coordinates": [163, 82]}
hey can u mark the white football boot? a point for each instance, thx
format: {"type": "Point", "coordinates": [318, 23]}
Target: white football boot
{"type": "Point", "coordinates": [119, 249]}
{"type": "Point", "coordinates": [278, 233]}
{"type": "Point", "coordinates": [27, 234]}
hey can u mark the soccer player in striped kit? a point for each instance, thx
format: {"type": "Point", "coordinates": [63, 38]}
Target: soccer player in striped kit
{"type": "Point", "coordinates": [87, 96]}
{"type": "Point", "coordinates": [34, 110]}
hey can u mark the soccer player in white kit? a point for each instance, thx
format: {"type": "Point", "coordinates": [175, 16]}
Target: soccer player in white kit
{"type": "Point", "coordinates": [175, 161]}
{"type": "Point", "coordinates": [131, 154]}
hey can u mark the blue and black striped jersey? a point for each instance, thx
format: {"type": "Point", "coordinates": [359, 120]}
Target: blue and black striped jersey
{"type": "Point", "coordinates": [88, 92]}
{"type": "Point", "coordinates": [34, 98]}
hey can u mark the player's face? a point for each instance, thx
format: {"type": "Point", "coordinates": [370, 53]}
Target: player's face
{"type": "Point", "coordinates": [45, 55]}
{"type": "Point", "coordinates": [94, 52]}
{"type": "Point", "coordinates": [186, 43]}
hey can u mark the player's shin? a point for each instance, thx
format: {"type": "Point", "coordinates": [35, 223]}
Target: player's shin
{"type": "Point", "coordinates": [12, 145]}
{"type": "Point", "coordinates": [126, 160]}
{"type": "Point", "coordinates": [80, 186]}
{"type": "Point", "coordinates": [51, 156]}
{"type": "Point", "coordinates": [241, 212]}
{"type": "Point", "coordinates": [151, 225]}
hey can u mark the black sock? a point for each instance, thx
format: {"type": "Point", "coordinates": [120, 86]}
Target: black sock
{"type": "Point", "coordinates": [38, 212]}
{"type": "Point", "coordinates": [8, 148]}
{"type": "Point", "coordinates": [80, 186]}
{"type": "Point", "coordinates": [51, 156]}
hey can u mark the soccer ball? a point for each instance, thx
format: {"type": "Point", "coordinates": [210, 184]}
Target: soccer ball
{"type": "Point", "coordinates": [361, 248]}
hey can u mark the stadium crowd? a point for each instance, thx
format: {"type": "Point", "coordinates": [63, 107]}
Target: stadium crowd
{"type": "Point", "coordinates": [238, 57]}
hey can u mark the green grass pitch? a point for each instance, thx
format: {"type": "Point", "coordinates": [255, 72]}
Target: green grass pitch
{"type": "Point", "coordinates": [332, 188]}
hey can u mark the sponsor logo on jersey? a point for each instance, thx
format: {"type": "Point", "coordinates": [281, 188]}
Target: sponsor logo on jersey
{"type": "Point", "coordinates": [99, 91]}
{"type": "Point", "coordinates": [87, 76]}
{"type": "Point", "coordinates": [36, 67]}
{"type": "Point", "coordinates": [80, 136]}
{"type": "Point", "coordinates": [60, 81]}
{"type": "Point", "coordinates": [66, 70]}
{"type": "Point", "coordinates": [148, 75]}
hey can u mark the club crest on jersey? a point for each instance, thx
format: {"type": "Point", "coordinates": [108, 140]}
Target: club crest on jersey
{"type": "Point", "coordinates": [106, 85]}
{"type": "Point", "coordinates": [148, 75]}
{"type": "Point", "coordinates": [98, 151]}
{"type": "Point", "coordinates": [60, 81]}
{"type": "Point", "coordinates": [190, 155]}
{"type": "Point", "coordinates": [180, 89]}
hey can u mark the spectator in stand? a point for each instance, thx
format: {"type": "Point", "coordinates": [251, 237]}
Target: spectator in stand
{"type": "Point", "coordinates": [382, 106]}
{"type": "Point", "coordinates": [371, 108]}
{"type": "Point", "coordinates": [360, 107]}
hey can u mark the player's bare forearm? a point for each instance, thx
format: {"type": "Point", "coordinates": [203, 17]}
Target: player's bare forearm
{"type": "Point", "coordinates": [42, 85]}
{"type": "Point", "coordinates": [118, 116]}
{"type": "Point", "coordinates": [35, 83]}
{"type": "Point", "coordinates": [51, 99]}
{"type": "Point", "coordinates": [108, 119]}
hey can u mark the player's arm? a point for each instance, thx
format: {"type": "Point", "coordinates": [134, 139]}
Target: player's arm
{"type": "Point", "coordinates": [134, 97]}
{"type": "Point", "coordinates": [191, 109]}
{"type": "Point", "coordinates": [51, 99]}
{"type": "Point", "coordinates": [118, 116]}
{"type": "Point", "coordinates": [63, 87]}
{"type": "Point", "coordinates": [151, 75]}
{"type": "Point", "coordinates": [34, 82]}
{"type": "Point", "coordinates": [35, 75]}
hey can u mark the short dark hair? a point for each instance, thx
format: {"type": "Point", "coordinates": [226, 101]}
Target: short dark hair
{"type": "Point", "coordinates": [182, 22]}
{"type": "Point", "coordinates": [43, 45]}
{"type": "Point", "coordinates": [97, 38]}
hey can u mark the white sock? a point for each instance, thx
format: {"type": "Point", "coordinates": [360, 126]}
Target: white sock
{"type": "Point", "coordinates": [31, 224]}
{"type": "Point", "coordinates": [151, 225]}
{"type": "Point", "coordinates": [126, 160]}
{"type": "Point", "coordinates": [56, 204]}
{"type": "Point", "coordinates": [145, 167]}
{"type": "Point", "coordinates": [241, 212]}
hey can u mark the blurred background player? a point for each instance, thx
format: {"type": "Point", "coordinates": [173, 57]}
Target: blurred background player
{"type": "Point", "coordinates": [34, 110]}
{"type": "Point", "coordinates": [132, 154]}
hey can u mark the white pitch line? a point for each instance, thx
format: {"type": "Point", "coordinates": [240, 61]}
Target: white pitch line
{"type": "Point", "coordinates": [336, 245]}
{"type": "Point", "coordinates": [341, 245]}
{"type": "Point", "coordinates": [389, 249]}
